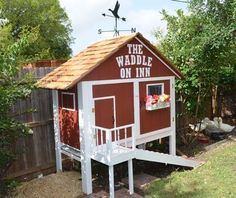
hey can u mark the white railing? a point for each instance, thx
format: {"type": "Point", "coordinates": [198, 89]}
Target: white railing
{"type": "Point", "coordinates": [106, 139]}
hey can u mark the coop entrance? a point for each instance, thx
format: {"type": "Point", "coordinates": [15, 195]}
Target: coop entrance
{"type": "Point", "coordinates": [105, 113]}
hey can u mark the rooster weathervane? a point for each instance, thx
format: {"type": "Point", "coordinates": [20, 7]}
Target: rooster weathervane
{"type": "Point", "coordinates": [117, 17]}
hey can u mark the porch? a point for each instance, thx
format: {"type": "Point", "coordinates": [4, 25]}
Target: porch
{"type": "Point", "coordinates": [115, 145]}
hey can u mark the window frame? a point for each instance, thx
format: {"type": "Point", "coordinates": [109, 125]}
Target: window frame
{"type": "Point", "coordinates": [155, 84]}
{"type": "Point", "coordinates": [73, 96]}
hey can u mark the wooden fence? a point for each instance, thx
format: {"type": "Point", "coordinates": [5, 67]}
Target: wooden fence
{"type": "Point", "coordinates": [36, 153]}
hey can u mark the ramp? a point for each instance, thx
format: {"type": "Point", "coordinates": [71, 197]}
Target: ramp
{"type": "Point", "coordinates": [164, 158]}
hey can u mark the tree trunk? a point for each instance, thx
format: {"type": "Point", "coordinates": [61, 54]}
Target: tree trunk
{"type": "Point", "coordinates": [214, 100]}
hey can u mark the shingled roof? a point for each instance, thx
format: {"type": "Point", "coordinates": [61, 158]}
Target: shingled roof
{"type": "Point", "coordinates": [72, 71]}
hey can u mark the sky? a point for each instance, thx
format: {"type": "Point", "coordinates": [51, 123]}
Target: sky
{"type": "Point", "coordinates": [86, 18]}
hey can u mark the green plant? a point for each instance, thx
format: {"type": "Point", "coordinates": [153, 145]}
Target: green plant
{"type": "Point", "coordinates": [202, 45]}
{"type": "Point", "coordinates": [11, 90]}
{"type": "Point", "coordinates": [51, 20]}
{"type": "Point", "coordinates": [6, 186]}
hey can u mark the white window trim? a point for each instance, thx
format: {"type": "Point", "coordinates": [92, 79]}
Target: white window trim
{"type": "Point", "coordinates": [68, 93]}
{"type": "Point", "coordinates": [154, 84]}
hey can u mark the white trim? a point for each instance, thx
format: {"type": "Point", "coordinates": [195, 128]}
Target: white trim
{"type": "Point", "coordinates": [149, 136]}
{"type": "Point", "coordinates": [130, 80]}
{"type": "Point", "coordinates": [154, 135]}
{"type": "Point", "coordinates": [68, 93]}
{"type": "Point", "coordinates": [114, 106]}
{"type": "Point", "coordinates": [136, 101]}
{"type": "Point", "coordinates": [104, 98]}
{"type": "Point", "coordinates": [158, 57]}
{"type": "Point", "coordinates": [57, 130]}
{"type": "Point", "coordinates": [155, 84]}
{"type": "Point", "coordinates": [84, 91]}
{"type": "Point", "coordinates": [172, 138]}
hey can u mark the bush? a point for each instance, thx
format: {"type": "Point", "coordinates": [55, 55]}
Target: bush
{"type": "Point", "coordinates": [11, 90]}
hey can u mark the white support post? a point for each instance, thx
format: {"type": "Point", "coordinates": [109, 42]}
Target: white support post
{"type": "Point", "coordinates": [172, 137]}
{"type": "Point", "coordinates": [111, 182]}
{"type": "Point", "coordinates": [108, 144]}
{"type": "Point", "coordinates": [131, 177]}
{"type": "Point", "coordinates": [56, 130]}
{"type": "Point", "coordinates": [85, 126]}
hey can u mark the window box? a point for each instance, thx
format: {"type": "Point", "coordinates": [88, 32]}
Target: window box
{"type": "Point", "coordinates": [159, 105]}
{"type": "Point", "coordinates": [157, 102]}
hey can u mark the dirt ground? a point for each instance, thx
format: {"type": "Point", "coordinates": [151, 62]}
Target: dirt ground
{"type": "Point", "coordinates": [68, 184]}
{"type": "Point", "coordinates": [63, 185]}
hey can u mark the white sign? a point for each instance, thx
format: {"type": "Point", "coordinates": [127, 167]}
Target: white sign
{"type": "Point", "coordinates": [136, 58]}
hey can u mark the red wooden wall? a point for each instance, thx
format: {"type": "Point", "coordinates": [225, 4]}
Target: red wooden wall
{"type": "Point", "coordinates": [69, 122]}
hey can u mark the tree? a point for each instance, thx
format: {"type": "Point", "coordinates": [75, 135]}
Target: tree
{"type": "Point", "coordinates": [54, 26]}
{"type": "Point", "coordinates": [202, 45]}
{"type": "Point", "coordinates": [11, 90]}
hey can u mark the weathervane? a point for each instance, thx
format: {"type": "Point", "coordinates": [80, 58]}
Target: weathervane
{"type": "Point", "coordinates": [117, 17]}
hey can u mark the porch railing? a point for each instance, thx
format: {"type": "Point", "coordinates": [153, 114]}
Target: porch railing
{"type": "Point", "coordinates": [106, 139]}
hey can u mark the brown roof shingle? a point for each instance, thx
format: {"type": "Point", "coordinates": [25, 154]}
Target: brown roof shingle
{"type": "Point", "coordinates": [69, 73]}
{"type": "Point", "coordinates": [72, 71]}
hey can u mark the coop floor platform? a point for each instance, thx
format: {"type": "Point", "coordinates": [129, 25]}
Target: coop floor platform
{"type": "Point", "coordinates": [117, 155]}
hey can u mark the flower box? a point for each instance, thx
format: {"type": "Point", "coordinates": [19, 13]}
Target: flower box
{"type": "Point", "coordinates": [157, 102]}
{"type": "Point", "coordinates": [159, 105]}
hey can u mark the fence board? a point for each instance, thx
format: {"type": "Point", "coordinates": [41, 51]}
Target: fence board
{"type": "Point", "coordinates": [36, 151]}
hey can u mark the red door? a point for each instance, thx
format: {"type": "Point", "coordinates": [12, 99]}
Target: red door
{"type": "Point", "coordinates": [104, 113]}
{"type": "Point", "coordinates": [104, 117]}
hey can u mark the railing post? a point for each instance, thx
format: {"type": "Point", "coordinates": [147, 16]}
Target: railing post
{"type": "Point", "coordinates": [133, 137]}
{"type": "Point", "coordinates": [118, 141]}
{"type": "Point", "coordinates": [108, 143]}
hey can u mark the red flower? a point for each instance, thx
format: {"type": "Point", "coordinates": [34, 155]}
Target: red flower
{"type": "Point", "coordinates": [155, 97]}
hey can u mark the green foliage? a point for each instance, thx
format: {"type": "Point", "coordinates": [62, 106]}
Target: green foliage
{"type": "Point", "coordinates": [11, 90]}
{"type": "Point", "coordinates": [202, 44]}
{"type": "Point", "coordinates": [51, 20]}
{"type": "Point", "coordinates": [7, 186]}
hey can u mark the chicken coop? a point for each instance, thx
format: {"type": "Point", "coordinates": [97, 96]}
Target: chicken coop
{"type": "Point", "coordinates": [113, 96]}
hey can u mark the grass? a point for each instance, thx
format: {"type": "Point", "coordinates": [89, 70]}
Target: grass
{"type": "Point", "coordinates": [216, 178]}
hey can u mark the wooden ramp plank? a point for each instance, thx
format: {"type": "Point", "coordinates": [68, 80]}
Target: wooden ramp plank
{"type": "Point", "coordinates": [164, 158]}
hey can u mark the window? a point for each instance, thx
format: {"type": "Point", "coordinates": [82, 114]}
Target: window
{"type": "Point", "coordinates": [155, 89]}
{"type": "Point", "coordinates": [156, 99]}
{"type": "Point", "coordinates": [68, 101]}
